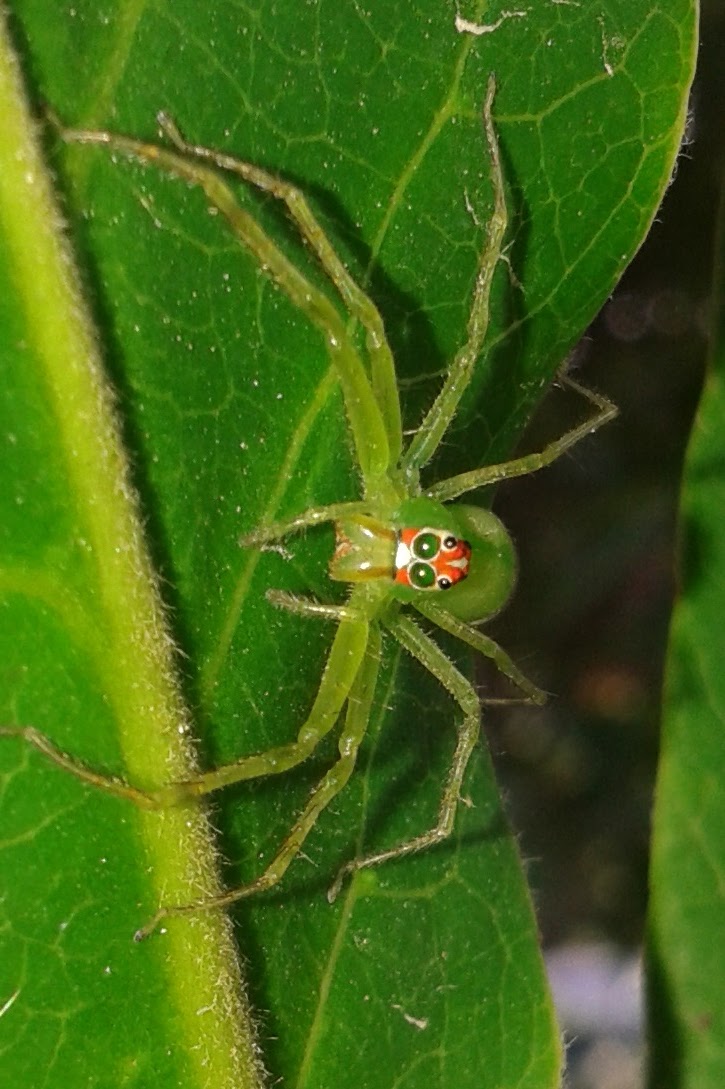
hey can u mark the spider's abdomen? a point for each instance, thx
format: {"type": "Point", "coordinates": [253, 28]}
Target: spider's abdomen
{"type": "Point", "coordinates": [430, 559]}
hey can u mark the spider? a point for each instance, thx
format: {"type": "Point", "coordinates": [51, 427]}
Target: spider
{"type": "Point", "coordinates": [401, 546]}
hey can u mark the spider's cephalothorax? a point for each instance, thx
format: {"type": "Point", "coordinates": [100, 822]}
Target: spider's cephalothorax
{"type": "Point", "coordinates": [415, 557]}
{"type": "Point", "coordinates": [427, 558]}
{"type": "Point", "coordinates": [425, 546]}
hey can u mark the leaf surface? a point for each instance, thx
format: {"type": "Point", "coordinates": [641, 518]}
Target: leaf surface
{"type": "Point", "coordinates": [424, 973]}
{"type": "Point", "coordinates": [687, 989]}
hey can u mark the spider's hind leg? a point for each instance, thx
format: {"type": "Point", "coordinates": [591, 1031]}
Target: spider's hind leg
{"type": "Point", "coordinates": [443, 410]}
{"type": "Point", "coordinates": [603, 411]}
{"type": "Point", "coordinates": [486, 646]}
{"type": "Point", "coordinates": [429, 654]}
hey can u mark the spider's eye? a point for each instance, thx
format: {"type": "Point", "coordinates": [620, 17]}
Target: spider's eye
{"type": "Point", "coordinates": [444, 583]}
{"type": "Point", "coordinates": [421, 575]}
{"type": "Point", "coordinates": [426, 545]}
{"type": "Point", "coordinates": [450, 542]}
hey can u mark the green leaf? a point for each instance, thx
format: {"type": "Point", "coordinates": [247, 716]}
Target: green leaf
{"type": "Point", "coordinates": [426, 972]}
{"type": "Point", "coordinates": [687, 906]}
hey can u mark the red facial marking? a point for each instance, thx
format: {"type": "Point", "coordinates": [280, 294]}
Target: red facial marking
{"type": "Point", "coordinates": [430, 559]}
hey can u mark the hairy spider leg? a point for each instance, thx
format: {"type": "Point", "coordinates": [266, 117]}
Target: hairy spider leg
{"type": "Point", "coordinates": [355, 727]}
{"type": "Point", "coordinates": [367, 422]}
{"type": "Point", "coordinates": [432, 658]}
{"type": "Point", "coordinates": [305, 606]}
{"type": "Point", "coordinates": [32, 736]}
{"type": "Point", "coordinates": [360, 305]}
{"type": "Point", "coordinates": [315, 516]}
{"type": "Point", "coordinates": [429, 654]}
{"type": "Point", "coordinates": [341, 669]}
{"type": "Point", "coordinates": [441, 413]}
{"type": "Point", "coordinates": [458, 485]}
{"type": "Point", "coordinates": [483, 644]}
{"type": "Point", "coordinates": [529, 463]}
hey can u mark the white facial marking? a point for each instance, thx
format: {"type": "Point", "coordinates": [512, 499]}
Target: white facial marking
{"type": "Point", "coordinates": [402, 556]}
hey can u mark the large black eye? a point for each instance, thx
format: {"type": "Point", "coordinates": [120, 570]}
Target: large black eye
{"type": "Point", "coordinates": [426, 545]}
{"type": "Point", "coordinates": [422, 576]}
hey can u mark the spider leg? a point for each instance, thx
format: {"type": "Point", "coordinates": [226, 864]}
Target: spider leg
{"type": "Point", "coordinates": [529, 463]}
{"type": "Point", "coordinates": [484, 645]}
{"type": "Point", "coordinates": [422, 647]}
{"type": "Point", "coordinates": [316, 516]}
{"type": "Point", "coordinates": [343, 664]}
{"type": "Point", "coordinates": [341, 669]}
{"type": "Point", "coordinates": [305, 606]}
{"type": "Point", "coordinates": [32, 736]}
{"type": "Point", "coordinates": [356, 301]}
{"type": "Point", "coordinates": [356, 724]}
{"type": "Point", "coordinates": [442, 411]}
{"type": "Point", "coordinates": [369, 428]}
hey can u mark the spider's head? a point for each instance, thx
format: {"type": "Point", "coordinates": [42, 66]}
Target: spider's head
{"type": "Point", "coordinates": [472, 559]}
{"type": "Point", "coordinates": [430, 559]}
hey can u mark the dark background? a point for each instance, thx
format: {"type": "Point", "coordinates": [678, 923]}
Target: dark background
{"type": "Point", "coordinates": [597, 540]}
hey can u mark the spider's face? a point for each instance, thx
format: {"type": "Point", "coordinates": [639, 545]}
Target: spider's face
{"type": "Point", "coordinates": [430, 559]}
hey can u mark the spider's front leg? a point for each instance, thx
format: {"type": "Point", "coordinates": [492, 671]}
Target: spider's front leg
{"type": "Point", "coordinates": [359, 305]}
{"type": "Point", "coordinates": [372, 407]}
{"type": "Point", "coordinates": [274, 531]}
